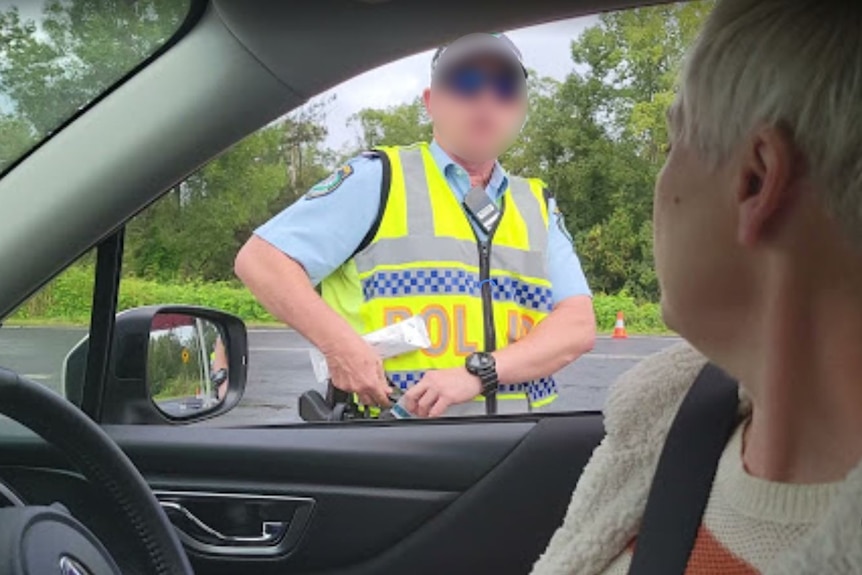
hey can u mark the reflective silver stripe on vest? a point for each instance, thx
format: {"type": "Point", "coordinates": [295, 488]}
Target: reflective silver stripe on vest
{"type": "Point", "coordinates": [420, 212]}
{"type": "Point", "coordinates": [421, 243]}
{"type": "Point", "coordinates": [404, 250]}
{"type": "Point", "coordinates": [531, 212]}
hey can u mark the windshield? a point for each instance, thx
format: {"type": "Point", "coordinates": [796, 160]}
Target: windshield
{"type": "Point", "coordinates": [57, 56]}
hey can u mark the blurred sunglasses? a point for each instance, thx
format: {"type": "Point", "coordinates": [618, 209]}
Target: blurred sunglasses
{"type": "Point", "coordinates": [469, 82]}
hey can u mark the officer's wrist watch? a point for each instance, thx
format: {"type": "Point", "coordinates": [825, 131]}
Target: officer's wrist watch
{"type": "Point", "coordinates": [219, 377]}
{"type": "Point", "coordinates": [484, 366]}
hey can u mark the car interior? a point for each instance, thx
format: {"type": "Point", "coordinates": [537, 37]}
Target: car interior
{"type": "Point", "coordinates": [449, 496]}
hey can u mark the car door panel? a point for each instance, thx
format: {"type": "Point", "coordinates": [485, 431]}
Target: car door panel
{"type": "Point", "coordinates": [442, 497]}
{"type": "Point", "coordinates": [436, 456]}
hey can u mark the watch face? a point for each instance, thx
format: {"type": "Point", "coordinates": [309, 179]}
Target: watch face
{"type": "Point", "coordinates": [480, 361]}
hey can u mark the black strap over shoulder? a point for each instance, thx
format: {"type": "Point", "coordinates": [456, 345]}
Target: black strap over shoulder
{"type": "Point", "coordinates": [385, 184]}
{"type": "Point", "coordinates": [686, 470]}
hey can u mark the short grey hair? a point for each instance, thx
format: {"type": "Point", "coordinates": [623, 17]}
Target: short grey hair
{"type": "Point", "coordinates": [790, 63]}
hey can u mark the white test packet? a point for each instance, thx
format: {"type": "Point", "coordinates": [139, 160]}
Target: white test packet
{"type": "Point", "coordinates": [390, 341]}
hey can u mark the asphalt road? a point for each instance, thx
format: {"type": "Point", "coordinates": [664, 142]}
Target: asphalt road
{"type": "Point", "coordinates": [280, 370]}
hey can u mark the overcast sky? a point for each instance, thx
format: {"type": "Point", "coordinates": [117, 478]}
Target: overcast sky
{"type": "Point", "coordinates": [546, 49]}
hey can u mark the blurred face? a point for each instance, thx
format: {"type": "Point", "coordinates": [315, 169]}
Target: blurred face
{"type": "Point", "coordinates": [704, 273]}
{"type": "Point", "coordinates": [478, 108]}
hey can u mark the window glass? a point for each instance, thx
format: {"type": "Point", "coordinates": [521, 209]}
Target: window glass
{"type": "Point", "coordinates": [56, 56]}
{"type": "Point", "coordinates": [598, 90]}
{"type": "Point", "coordinates": [37, 338]}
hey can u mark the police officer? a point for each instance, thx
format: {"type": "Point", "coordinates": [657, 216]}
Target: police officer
{"type": "Point", "coordinates": [440, 230]}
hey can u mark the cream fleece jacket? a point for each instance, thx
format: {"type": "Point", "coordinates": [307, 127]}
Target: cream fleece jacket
{"type": "Point", "coordinates": [607, 506]}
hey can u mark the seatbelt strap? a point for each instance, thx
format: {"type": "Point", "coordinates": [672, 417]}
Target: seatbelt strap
{"type": "Point", "coordinates": [685, 473]}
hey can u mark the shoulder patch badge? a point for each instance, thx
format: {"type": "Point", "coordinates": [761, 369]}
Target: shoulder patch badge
{"type": "Point", "coordinates": [330, 183]}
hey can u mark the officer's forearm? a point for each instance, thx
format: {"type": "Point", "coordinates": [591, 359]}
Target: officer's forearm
{"type": "Point", "coordinates": [568, 332]}
{"type": "Point", "coordinates": [281, 285]}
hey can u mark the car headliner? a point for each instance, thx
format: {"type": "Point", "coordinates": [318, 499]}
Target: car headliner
{"type": "Point", "coordinates": [243, 64]}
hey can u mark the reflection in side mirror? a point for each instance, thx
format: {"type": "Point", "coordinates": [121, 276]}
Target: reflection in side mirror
{"type": "Point", "coordinates": [187, 365]}
{"type": "Point", "coordinates": [173, 364]}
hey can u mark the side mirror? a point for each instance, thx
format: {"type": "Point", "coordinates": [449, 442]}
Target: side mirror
{"type": "Point", "coordinates": [169, 364]}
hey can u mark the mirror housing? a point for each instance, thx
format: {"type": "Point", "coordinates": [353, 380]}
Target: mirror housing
{"type": "Point", "coordinates": [128, 394]}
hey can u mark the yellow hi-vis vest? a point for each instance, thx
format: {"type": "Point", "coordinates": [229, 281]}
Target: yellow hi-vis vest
{"type": "Point", "coordinates": [424, 259]}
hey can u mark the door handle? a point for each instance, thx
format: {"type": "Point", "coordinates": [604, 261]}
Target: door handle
{"type": "Point", "coordinates": [238, 524]}
{"type": "Point", "coordinates": [271, 531]}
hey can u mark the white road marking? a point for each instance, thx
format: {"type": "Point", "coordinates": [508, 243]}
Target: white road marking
{"type": "Point", "coordinates": [41, 376]}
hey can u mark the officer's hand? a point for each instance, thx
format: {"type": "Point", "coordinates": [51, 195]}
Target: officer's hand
{"type": "Point", "coordinates": [439, 389]}
{"type": "Point", "coordinates": [356, 368]}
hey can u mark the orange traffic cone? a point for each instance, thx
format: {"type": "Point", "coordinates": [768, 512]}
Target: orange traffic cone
{"type": "Point", "coordinates": [620, 327]}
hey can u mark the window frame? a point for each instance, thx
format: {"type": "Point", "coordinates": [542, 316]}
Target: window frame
{"type": "Point", "coordinates": [103, 314]}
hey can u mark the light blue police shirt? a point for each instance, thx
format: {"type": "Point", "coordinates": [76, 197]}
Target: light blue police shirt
{"type": "Point", "coordinates": [321, 231]}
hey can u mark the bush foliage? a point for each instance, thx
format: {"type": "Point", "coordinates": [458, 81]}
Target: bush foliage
{"type": "Point", "coordinates": [68, 300]}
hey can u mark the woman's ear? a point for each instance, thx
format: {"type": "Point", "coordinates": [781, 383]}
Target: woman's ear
{"type": "Point", "coordinates": [765, 185]}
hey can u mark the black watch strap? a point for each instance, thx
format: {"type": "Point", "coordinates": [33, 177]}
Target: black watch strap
{"type": "Point", "coordinates": [490, 383]}
{"type": "Point", "coordinates": [483, 366]}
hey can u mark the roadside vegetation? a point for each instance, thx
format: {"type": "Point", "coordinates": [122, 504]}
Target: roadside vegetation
{"type": "Point", "coordinates": [67, 301]}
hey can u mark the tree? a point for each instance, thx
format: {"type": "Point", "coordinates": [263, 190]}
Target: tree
{"type": "Point", "coordinates": [635, 55]}
{"type": "Point", "coordinates": [15, 138]}
{"type": "Point", "coordinates": [306, 159]}
{"type": "Point", "coordinates": [79, 48]}
{"type": "Point", "coordinates": [399, 125]}
{"type": "Point", "coordinates": [195, 231]}
{"type": "Point", "coordinates": [597, 138]}
{"type": "Point", "coordinates": [75, 52]}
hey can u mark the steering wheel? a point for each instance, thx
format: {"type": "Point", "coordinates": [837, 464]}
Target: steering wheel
{"type": "Point", "coordinates": [36, 540]}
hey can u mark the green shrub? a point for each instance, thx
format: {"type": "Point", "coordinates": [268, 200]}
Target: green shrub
{"type": "Point", "coordinates": [224, 296]}
{"type": "Point", "coordinates": [639, 317]}
{"type": "Point", "coordinates": [67, 300]}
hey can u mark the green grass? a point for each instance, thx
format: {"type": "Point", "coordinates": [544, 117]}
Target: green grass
{"type": "Point", "coordinates": [67, 300]}
{"type": "Point", "coordinates": [177, 388]}
{"type": "Point", "coordinates": [49, 322]}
